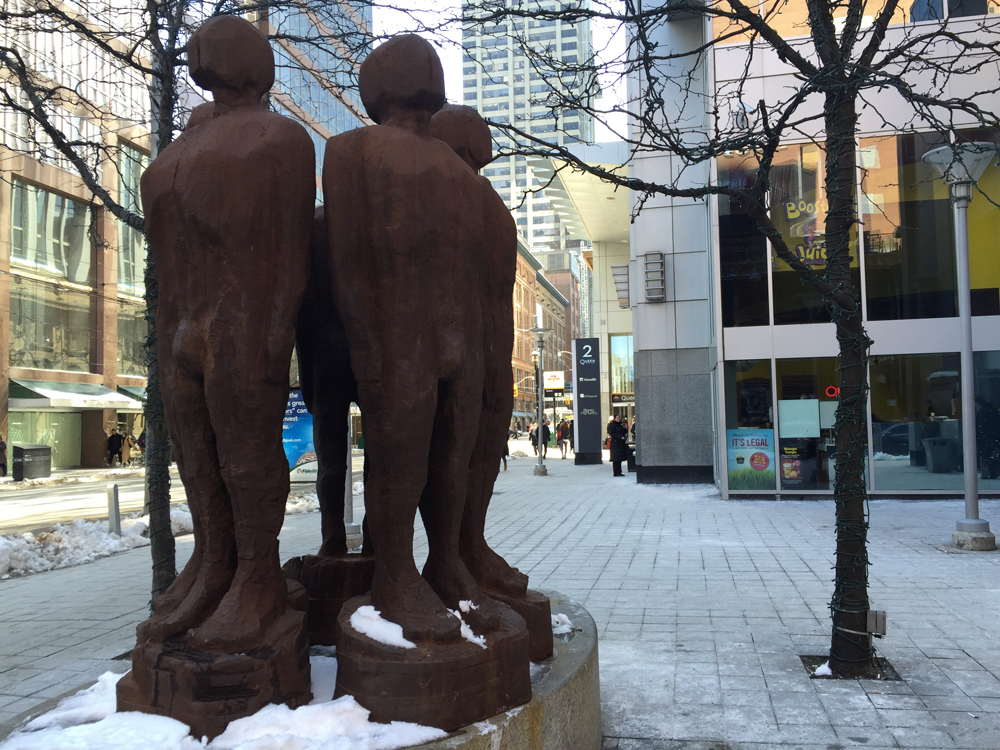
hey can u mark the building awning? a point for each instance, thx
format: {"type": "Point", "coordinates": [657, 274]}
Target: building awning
{"type": "Point", "coordinates": [133, 391]}
{"type": "Point", "coordinates": [523, 414]}
{"type": "Point", "coordinates": [37, 395]}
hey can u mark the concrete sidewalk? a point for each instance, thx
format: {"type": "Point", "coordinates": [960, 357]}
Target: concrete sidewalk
{"type": "Point", "coordinates": [703, 607]}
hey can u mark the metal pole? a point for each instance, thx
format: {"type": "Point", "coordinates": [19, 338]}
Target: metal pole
{"type": "Point", "coordinates": [352, 529]}
{"type": "Point", "coordinates": [961, 193]}
{"type": "Point", "coordinates": [540, 470]}
{"type": "Point", "coordinates": [114, 514]}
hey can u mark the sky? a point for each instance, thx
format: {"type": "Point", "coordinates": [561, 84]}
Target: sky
{"type": "Point", "coordinates": [609, 43]}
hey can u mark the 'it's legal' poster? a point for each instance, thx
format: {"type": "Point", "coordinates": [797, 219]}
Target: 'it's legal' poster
{"type": "Point", "coordinates": [750, 459]}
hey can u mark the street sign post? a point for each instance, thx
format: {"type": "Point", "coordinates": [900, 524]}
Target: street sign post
{"type": "Point", "coordinates": [587, 433]}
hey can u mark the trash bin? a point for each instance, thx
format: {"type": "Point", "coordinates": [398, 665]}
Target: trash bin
{"type": "Point", "coordinates": [31, 462]}
{"type": "Point", "coordinates": [939, 452]}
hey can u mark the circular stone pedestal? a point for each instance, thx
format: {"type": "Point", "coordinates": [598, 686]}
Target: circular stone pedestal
{"type": "Point", "coordinates": [565, 708]}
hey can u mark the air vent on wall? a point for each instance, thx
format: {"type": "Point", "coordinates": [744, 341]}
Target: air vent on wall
{"type": "Point", "coordinates": [620, 276]}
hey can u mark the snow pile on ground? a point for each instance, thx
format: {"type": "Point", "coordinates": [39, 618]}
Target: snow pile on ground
{"type": "Point", "coordinates": [368, 621]}
{"type": "Point", "coordinates": [823, 670]}
{"type": "Point", "coordinates": [307, 503]}
{"type": "Point", "coordinates": [180, 520]}
{"type": "Point", "coordinates": [88, 720]}
{"type": "Point", "coordinates": [518, 454]}
{"type": "Point", "coordinates": [72, 543]}
{"type": "Point", "coordinates": [891, 457]}
{"type": "Point", "coordinates": [561, 625]}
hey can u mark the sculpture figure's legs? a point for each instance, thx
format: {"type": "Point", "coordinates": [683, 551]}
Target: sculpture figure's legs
{"type": "Point", "coordinates": [247, 417]}
{"type": "Point", "coordinates": [443, 499]}
{"type": "Point", "coordinates": [331, 407]}
{"type": "Point", "coordinates": [209, 572]}
{"type": "Point", "coordinates": [399, 419]}
{"type": "Point", "coordinates": [489, 569]}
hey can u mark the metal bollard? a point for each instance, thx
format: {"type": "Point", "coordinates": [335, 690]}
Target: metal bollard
{"type": "Point", "coordinates": [114, 514]}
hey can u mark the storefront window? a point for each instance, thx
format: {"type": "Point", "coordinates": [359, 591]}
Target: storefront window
{"type": "Point", "coordinates": [808, 396]}
{"type": "Point", "coordinates": [50, 327]}
{"type": "Point", "coordinates": [984, 235]}
{"type": "Point", "coordinates": [131, 242]}
{"type": "Point", "coordinates": [908, 230]}
{"type": "Point", "coordinates": [987, 370]}
{"type": "Point", "coordinates": [742, 250]}
{"type": "Point", "coordinates": [132, 331]}
{"type": "Point", "coordinates": [49, 234]}
{"type": "Point", "coordinates": [749, 426]}
{"type": "Point", "coordinates": [622, 376]}
{"type": "Point", "coordinates": [60, 431]}
{"type": "Point", "coordinates": [916, 421]}
{"type": "Point", "coordinates": [799, 205]}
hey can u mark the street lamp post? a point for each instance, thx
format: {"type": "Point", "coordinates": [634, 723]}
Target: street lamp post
{"type": "Point", "coordinates": [540, 470]}
{"type": "Point", "coordinates": [961, 166]}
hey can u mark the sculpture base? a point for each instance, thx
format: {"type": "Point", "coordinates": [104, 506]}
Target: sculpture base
{"type": "Point", "coordinates": [329, 582]}
{"type": "Point", "coordinates": [440, 685]}
{"type": "Point", "coordinates": [534, 608]}
{"type": "Point", "coordinates": [207, 690]}
{"type": "Point", "coordinates": [565, 708]}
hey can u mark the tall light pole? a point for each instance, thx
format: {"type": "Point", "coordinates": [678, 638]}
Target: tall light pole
{"type": "Point", "coordinates": [540, 470]}
{"type": "Point", "coordinates": [961, 166]}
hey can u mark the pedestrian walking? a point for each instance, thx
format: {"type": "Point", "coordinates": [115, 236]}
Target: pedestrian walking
{"type": "Point", "coordinates": [128, 443]}
{"type": "Point", "coordinates": [617, 436]}
{"type": "Point", "coordinates": [506, 452]}
{"type": "Point", "coordinates": [544, 433]}
{"type": "Point", "coordinates": [562, 436]}
{"type": "Point", "coordinates": [533, 436]}
{"type": "Point", "coordinates": [3, 457]}
{"type": "Point", "coordinates": [115, 442]}
{"type": "Point", "coordinates": [141, 445]}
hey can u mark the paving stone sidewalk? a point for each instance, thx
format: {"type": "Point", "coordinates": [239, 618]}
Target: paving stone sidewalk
{"type": "Point", "coordinates": [703, 607]}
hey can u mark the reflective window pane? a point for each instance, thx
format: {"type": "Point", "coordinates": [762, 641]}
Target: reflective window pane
{"type": "Point", "coordinates": [799, 204]}
{"type": "Point", "coordinates": [808, 397]}
{"type": "Point", "coordinates": [916, 421]}
{"type": "Point", "coordinates": [742, 249]}
{"type": "Point", "coordinates": [750, 455]}
{"type": "Point", "coordinates": [49, 234]}
{"type": "Point", "coordinates": [132, 331]}
{"type": "Point", "coordinates": [131, 242]}
{"type": "Point", "coordinates": [908, 231]}
{"type": "Point", "coordinates": [50, 327]}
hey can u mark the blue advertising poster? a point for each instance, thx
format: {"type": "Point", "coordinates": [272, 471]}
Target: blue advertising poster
{"type": "Point", "coordinates": [750, 459]}
{"type": "Point", "coordinates": [297, 438]}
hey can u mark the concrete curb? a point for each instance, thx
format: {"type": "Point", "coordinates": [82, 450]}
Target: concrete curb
{"type": "Point", "coordinates": [564, 712]}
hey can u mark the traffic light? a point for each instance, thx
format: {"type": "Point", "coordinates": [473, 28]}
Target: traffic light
{"type": "Point", "coordinates": [569, 400]}
{"type": "Point", "coordinates": [515, 390]}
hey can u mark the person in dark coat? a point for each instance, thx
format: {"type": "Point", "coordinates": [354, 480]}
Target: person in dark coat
{"type": "Point", "coordinates": [617, 444]}
{"type": "Point", "coordinates": [546, 433]}
{"type": "Point", "coordinates": [988, 438]}
{"type": "Point", "coordinates": [3, 457]}
{"type": "Point", "coordinates": [115, 443]}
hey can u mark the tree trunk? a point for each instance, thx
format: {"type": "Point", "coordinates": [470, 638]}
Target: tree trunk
{"type": "Point", "coordinates": [851, 651]}
{"type": "Point", "coordinates": [161, 538]}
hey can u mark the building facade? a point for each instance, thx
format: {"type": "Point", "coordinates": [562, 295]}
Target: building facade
{"type": "Point", "coordinates": [736, 359]}
{"type": "Point", "coordinates": [72, 358]}
{"type": "Point", "coordinates": [504, 87]}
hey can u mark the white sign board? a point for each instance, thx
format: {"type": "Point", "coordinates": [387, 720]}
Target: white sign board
{"type": "Point", "coordinates": [554, 380]}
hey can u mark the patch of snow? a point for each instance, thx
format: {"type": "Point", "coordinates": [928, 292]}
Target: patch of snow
{"type": "Point", "coordinates": [535, 671]}
{"type": "Point", "coordinates": [368, 620]}
{"type": "Point", "coordinates": [518, 454]}
{"type": "Point", "coordinates": [324, 677]}
{"type": "Point", "coordinates": [823, 670]}
{"type": "Point", "coordinates": [72, 543]}
{"type": "Point", "coordinates": [467, 606]}
{"type": "Point", "coordinates": [307, 503]}
{"type": "Point", "coordinates": [467, 634]}
{"type": "Point", "coordinates": [890, 457]}
{"type": "Point", "coordinates": [561, 625]}
{"type": "Point", "coordinates": [88, 720]}
{"type": "Point", "coordinates": [358, 488]}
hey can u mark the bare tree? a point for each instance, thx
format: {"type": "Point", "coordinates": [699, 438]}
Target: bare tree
{"type": "Point", "coordinates": [80, 81]}
{"type": "Point", "coordinates": [837, 60]}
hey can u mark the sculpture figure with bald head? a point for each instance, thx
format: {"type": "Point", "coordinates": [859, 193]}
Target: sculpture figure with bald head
{"type": "Point", "coordinates": [228, 209]}
{"type": "Point", "coordinates": [468, 135]}
{"type": "Point", "coordinates": [406, 227]}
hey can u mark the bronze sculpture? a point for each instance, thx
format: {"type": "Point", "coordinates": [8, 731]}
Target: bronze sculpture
{"type": "Point", "coordinates": [465, 131]}
{"type": "Point", "coordinates": [228, 209]}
